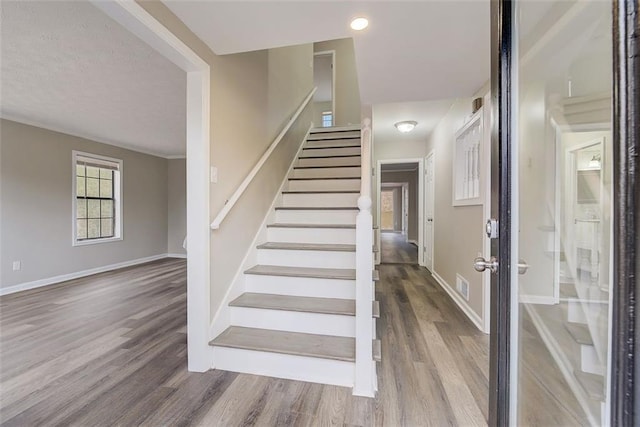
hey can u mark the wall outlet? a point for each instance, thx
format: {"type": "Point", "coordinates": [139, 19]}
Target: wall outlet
{"type": "Point", "coordinates": [17, 265]}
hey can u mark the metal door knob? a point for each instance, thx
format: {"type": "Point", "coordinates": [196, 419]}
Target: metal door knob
{"type": "Point", "coordinates": [480, 264]}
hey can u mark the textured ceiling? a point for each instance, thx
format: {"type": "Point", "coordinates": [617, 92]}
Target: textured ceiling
{"type": "Point", "coordinates": [67, 66]}
{"type": "Point", "coordinates": [412, 50]}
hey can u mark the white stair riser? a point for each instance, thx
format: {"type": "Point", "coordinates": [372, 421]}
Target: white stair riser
{"type": "Point", "coordinates": [575, 313]}
{"type": "Point", "coordinates": [292, 321]}
{"type": "Point", "coordinates": [345, 142]}
{"type": "Point", "coordinates": [327, 172]}
{"type": "Point", "coordinates": [324, 184]}
{"type": "Point", "coordinates": [315, 217]}
{"type": "Point", "coordinates": [333, 135]}
{"type": "Point", "coordinates": [300, 286]}
{"type": "Point", "coordinates": [342, 151]}
{"type": "Point", "coordinates": [311, 235]}
{"type": "Point", "coordinates": [320, 199]}
{"type": "Point", "coordinates": [589, 360]}
{"type": "Point", "coordinates": [304, 258]}
{"type": "Point", "coordinates": [330, 161]}
{"type": "Point", "coordinates": [310, 369]}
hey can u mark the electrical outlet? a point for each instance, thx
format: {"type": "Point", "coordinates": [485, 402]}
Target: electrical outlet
{"type": "Point", "coordinates": [17, 265]}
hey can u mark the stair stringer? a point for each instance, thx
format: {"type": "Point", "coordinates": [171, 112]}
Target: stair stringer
{"type": "Point", "coordinates": [222, 318]}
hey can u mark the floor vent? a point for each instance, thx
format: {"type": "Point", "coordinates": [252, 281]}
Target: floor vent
{"type": "Point", "coordinates": [462, 286]}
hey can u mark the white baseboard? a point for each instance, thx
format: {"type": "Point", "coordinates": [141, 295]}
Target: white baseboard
{"type": "Point", "coordinates": [413, 242]}
{"type": "Point", "coordinates": [184, 256]}
{"type": "Point", "coordinates": [64, 277]}
{"type": "Point", "coordinates": [464, 306]}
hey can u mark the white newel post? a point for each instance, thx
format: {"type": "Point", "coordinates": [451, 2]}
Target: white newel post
{"type": "Point", "coordinates": [365, 365]}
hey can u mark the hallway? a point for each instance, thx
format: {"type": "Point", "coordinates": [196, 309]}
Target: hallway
{"type": "Point", "coordinates": [123, 361]}
{"type": "Point", "coordinates": [395, 249]}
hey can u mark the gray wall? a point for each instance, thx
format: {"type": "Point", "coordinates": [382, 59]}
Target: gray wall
{"type": "Point", "coordinates": [410, 177]}
{"type": "Point", "coordinates": [176, 205]}
{"type": "Point", "coordinates": [36, 222]}
{"type": "Point", "coordinates": [347, 89]}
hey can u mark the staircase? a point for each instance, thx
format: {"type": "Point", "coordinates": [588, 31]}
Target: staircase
{"type": "Point", "coordinates": [296, 318]}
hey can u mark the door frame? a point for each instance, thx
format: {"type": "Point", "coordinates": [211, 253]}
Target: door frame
{"type": "Point", "coordinates": [420, 162]}
{"type": "Point", "coordinates": [333, 81]}
{"type": "Point", "coordinates": [624, 390]}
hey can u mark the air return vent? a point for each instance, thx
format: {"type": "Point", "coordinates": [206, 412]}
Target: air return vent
{"type": "Point", "coordinates": [462, 286]}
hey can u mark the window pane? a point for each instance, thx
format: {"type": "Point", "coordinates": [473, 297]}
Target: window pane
{"type": "Point", "coordinates": [105, 173]}
{"type": "Point", "coordinates": [106, 188]}
{"type": "Point", "coordinates": [107, 208]}
{"type": "Point", "coordinates": [81, 229]}
{"type": "Point", "coordinates": [93, 208]}
{"type": "Point", "coordinates": [93, 171]}
{"type": "Point", "coordinates": [81, 210]}
{"type": "Point", "coordinates": [80, 170]}
{"type": "Point", "coordinates": [80, 187]}
{"type": "Point", "coordinates": [93, 228]}
{"type": "Point", "coordinates": [107, 228]}
{"type": "Point", "coordinates": [93, 187]}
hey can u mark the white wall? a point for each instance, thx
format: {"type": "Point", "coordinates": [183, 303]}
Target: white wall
{"type": "Point", "coordinates": [36, 189]}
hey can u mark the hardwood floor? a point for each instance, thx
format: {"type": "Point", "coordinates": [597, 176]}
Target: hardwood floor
{"type": "Point", "coordinates": [396, 250]}
{"type": "Point", "coordinates": [111, 350]}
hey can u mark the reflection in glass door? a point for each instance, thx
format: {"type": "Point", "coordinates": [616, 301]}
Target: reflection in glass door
{"type": "Point", "coordinates": [562, 212]}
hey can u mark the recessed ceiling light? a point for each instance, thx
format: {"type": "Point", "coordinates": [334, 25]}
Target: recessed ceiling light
{"type": "Point", "coordinates": [406, 126]}
{"type": "Point", "coordinates": [359, 24]}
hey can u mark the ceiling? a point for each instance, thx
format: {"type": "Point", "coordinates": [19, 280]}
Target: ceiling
{"type": "Point", "coordinates": [427, 114]}
{"type": "Point", "coordinates": [68, 67]}
{"type": "Point", "coordinates": [412, 50]}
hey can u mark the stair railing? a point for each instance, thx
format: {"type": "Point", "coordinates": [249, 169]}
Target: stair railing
{"type": "Point", "coordinates": [365, 365]}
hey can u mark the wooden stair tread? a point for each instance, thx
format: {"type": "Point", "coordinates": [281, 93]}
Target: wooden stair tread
{"type": "Point", "coordinates": [294, 225]}
{"type": "Point", "coordinates": [334, 129]}
{"type": "Point", "coordinates": [308, 247]}
{"type": "Point", "coordinates": [317, 208]}
{"type": "Point", "coordinates": [294, 343]}
{"type": "Point", "coordinates": [592, 384]}
{"type": "Point", "coordinates": [324, 147]}
{"type": "Point", "coordinates": [580, 333]}
{"type": "Point", "coordinates": [327, 167]}
{"type": "Point", "coordinates": [336, 135]}
{"type": "Point", "coordinates": [324, 178]}
{"type": "Point", "coordinates": [343, 307]}
{"type": "Point", "coordinates": [319, 273]}
{"type": "Point", "coordinates": [329, 156]}
{"type": "Point", "coordinates": [322, 192]}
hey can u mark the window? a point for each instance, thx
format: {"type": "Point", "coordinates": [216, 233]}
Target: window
{"type": "Point", "coordinates": [327, 119]}
{"type": "Point", "coordinates": [97, 207]}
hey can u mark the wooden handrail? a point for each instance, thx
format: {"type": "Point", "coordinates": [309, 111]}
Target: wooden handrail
{"type": "Point", "coordinates": [243, 186]}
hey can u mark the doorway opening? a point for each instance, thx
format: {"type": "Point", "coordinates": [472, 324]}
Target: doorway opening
{"type": "Point", "coordinates": [324, 76]}
{"type": "Point", "coordinates": [400, 210]}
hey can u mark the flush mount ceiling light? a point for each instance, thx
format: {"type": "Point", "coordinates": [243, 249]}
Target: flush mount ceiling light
{"type": "Point", "coordinates": [406, 126]}
{"type": "Point", "coordinates": [359, 24]}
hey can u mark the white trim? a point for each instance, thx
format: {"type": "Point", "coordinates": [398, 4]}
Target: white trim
{"type": "Point", "coordinates": [243, 186]}
{"type": "Point", "coordinates": [432, 154]}
{"type": "Point", "coordinates": [460, 302]}
{"type": "Point", "coordinates": [137, 20]}
{"type": "Point", "coordinates": [180, 157]}
{"type": "Point", "coordinates": [221, 319]}
{"type": "Point", "coordinates": [420, 201]}
{"type": "Point", "coordinates": [86, 136]}
{"type": "Point", "coordinates": [486, 209]}
{"type": "Point", "coordinates": [78, 274]}
{"type": "Point", "coordinates": [182, 256]}
{"type": "Point", "coordinates": [333, 80]}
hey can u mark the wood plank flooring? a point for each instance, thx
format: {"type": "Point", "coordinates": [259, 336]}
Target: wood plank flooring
{"type": "Point", "coordinates": [396, 250]}
{"type": "Point", "coordinates": [111, 350]}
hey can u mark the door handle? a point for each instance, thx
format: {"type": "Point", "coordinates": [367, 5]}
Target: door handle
{"type": "Point", "coordinates": [480, 265]}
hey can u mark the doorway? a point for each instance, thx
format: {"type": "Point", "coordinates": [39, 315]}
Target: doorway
{"type": "Point", "coordinates": [324, 77]}
{"type": "Point", "coordinates": [400, 212]}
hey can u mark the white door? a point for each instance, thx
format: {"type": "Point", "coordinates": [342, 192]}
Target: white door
{"type": "Point", "coordinates": [405, 210]}
{"type": "Point", "coordinates": [428, 210]}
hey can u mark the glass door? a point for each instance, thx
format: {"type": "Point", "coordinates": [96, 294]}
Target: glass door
{"type": "Point", "coordinates": [561, 212]}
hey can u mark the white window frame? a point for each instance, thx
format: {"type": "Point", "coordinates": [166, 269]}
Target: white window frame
{"type": "Point", "coordinates": [117, 188]}
{"type": "Point", "coordinates": [327, 113]}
